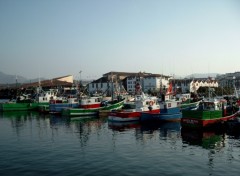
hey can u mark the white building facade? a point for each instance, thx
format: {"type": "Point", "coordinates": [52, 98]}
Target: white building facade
{"type": "Point", "coordinates": [196, 84]}
{"type": "Point", "coordinates": [148, 83]}
{"type": "Point", "coordinates": [155, 83]}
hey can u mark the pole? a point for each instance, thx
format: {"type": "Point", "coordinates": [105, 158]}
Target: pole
{"type": "Point", "coordinates": [112, 85]}
{"type": "Point", "coordinates": [235, 90]}
{"type": "Point", "coordinates": [16, 81]}
{"type": "Point", "coordinates": [80, 82]}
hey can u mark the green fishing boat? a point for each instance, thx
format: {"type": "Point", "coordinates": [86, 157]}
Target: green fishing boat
{"type": "Point", "coordinates": [14, 106]}
{"type": "Point", "coordinates": [189, 105]}
{"type": "Point", "coordinates": [91, 111]}
{"type": "Point", "coordinates": [208, 114]}
{"type": "Point", "coordinates": [26, 103]}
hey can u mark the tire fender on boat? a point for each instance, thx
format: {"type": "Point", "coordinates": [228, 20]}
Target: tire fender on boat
{"type": "Point", "coordinates": [151, 103]}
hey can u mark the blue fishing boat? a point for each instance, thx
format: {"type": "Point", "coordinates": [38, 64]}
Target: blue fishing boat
{"type": "Point", "coordinates": [56, 107]}
{"type": "Point", "coordinates": [169, 109]}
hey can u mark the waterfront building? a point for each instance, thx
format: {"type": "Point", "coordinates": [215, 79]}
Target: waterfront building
{"type": "Point", "coordinates": [11, 90]}
{"type": "Point", "coordinates": [122, 82]}
{"type": "Point", "coordinates": [228, 79]}
{"type": "Point", "coordinates": [182, 85]}
{"type": "Point", "coordinates": [110, 83]}
{"type": "Point", "coordinates": [155, 82]}
{"type": "Point", "coordinates": [188, 85]}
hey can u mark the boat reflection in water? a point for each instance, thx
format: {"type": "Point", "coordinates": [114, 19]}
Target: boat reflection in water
{"type": "Point", "coordinates": [56, 121]}
{"type": "Point", "coordinates": [146, 128]}
{"type": "Point", "coordinates": [233, 128]}
{"type": "Point", "coordinates": [123, 126]}
{"type": "Point", "coordinates": [162, 126]}
{"type": "Point", "coordinates": [204, 138]}
{"type": "Point", "coordinates": [19, 114]}
{"type": "Point", "coordinates": [20, 118]}
{"type": "Point", "coordinates": [165, 131]}
{"type": "Point", "coordinates": [213, 142]}
{"type": "Point", "coordinates": [147, 133]}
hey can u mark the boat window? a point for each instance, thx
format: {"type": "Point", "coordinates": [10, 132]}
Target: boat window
{"type": "Point", "coordinates": [209, 105]}
{"type": "Point", "coordinates": [200, 107]}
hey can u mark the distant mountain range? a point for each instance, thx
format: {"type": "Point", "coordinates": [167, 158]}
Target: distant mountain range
{"type": "Point", "coordinates": [202, 75]}
{"type": "Point", "coordinates": [11, 79]}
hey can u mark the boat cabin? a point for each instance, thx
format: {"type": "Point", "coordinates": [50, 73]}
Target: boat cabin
{"type": "Point", "coordinates": [210, 105]}
{"type": "Point", "coordinates": [46, 96]}
{"type": "Point", "coordinates": [90, 102]}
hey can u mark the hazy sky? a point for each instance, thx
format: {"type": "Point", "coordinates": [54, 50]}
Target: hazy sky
{"type": "Point", "coordinates": [52, 38]}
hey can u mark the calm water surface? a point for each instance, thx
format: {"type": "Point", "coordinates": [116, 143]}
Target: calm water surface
{"type": "Point", "coordinates": [35, 144]}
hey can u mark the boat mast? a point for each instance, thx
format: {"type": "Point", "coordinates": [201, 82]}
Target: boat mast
{"type": "Point", "coordinates": [112, 84]}
{"type": "Point", "coordinates": [235, 90]}
{"type": "Point", "coordinates": [16, 81]}
{"type": "Point", "coordinates": [80, 84]}
{"type": "Point", "coordinates": [39, 85]}
{"type": "Point", "coordinates": [160, 85]}
{"type": "Point", "coordinates": [209, 88]}
{"type": "Point", "coordinates": [138, 88]}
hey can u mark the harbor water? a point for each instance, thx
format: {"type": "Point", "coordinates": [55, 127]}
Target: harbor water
{"type": "Point", "coordinates": [38, 144]}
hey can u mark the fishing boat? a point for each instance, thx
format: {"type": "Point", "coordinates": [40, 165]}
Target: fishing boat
{"type": "Point", "coordinates": [189, 105]}
{"type": "Point", "coordinates": [17, 106]}
{"type": "Point", "coordinates": [169, 109]}
{"type": "Point", "coordinates": [25, 103]}
{"type": "Point", "coordinates": [91, 102]}
{"type": "Point", "coordinates": [96, 105]}
{"type": "Point", "coordinates": [132, 111]}
{"type": "Point", "coordinates": [56, 106]}
{"type": "Point", "coordinates": [209, 113]}
{"type": "Point", "coordinates": [111, 105]}
{"type": "Point", "coordinates": [187, 101]}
